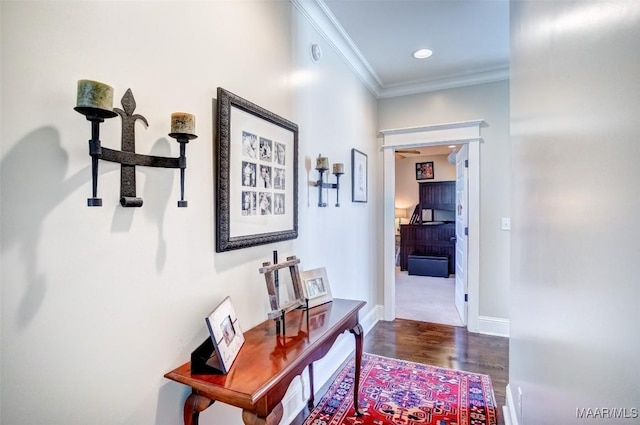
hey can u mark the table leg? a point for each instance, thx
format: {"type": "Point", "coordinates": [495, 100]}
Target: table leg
{"type": "Point", "coordinates": [312, 395]}
{"type": "Point", "coordinates": [250, 418]}
{"type": "Point", "coordinates": [358, 333]}
{"type": "Point", "coordinates": [193, 405]}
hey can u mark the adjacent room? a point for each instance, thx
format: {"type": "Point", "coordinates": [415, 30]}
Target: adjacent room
{"type": "Point", "coordinates": [425, 234]}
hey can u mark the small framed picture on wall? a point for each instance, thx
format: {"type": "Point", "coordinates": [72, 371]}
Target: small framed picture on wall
{"type": "Point", "coordinates": [424, 170]}
{"type": "Point", "coordinates": [359, 176]}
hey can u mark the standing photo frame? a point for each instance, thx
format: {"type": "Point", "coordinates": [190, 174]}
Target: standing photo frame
{"type": "Point", "coordinates": [256, 175]}
{"type": "Point", "coordinates": [424, 170]}
{"type": "Point", "coordinates": [359, 177]}
{"type": "Point", "coordinates": [315, 286]}
{"type": "Point", "coordinates": [226, 334]}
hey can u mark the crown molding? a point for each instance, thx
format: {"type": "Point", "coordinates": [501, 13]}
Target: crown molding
{"type": "Point", "coordinates": [321, 18]}
{"type": "Point", "coordinates": [454, 81]}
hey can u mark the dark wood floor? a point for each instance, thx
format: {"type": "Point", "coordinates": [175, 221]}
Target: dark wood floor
{"type": "Point", "coordinates": [439, 345]}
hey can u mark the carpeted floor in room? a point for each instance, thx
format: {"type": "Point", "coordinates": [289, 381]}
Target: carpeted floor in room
{"type": "Point", "coordinates": [426, 299]}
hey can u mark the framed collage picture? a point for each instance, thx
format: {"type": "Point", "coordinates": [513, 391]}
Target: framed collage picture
{"type": "Point", "coordinates": [256, 175]}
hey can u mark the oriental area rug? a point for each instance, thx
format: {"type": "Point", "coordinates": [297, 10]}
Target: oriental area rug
{"type": "Point", "coordinates": [397, 392]}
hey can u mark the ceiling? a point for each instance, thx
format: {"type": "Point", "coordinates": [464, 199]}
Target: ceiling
{"type": "Point", "coordinates": [415, 152]}
{"type": "Point", "coordinates": [469, 40]}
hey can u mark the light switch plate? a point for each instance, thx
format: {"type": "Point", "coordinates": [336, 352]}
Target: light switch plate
{"type": "Point", "coordinates": [506, 223]}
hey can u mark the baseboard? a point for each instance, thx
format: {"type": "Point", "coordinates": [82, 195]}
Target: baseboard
{"type": "Point", "coordinates": [371, 318]}
{"type": "Point", "coordinates": [493, 326]}
{"type": "Point", "coordinates": [296, 397]}
{"type": "Point", "coordinates": [509, 411]}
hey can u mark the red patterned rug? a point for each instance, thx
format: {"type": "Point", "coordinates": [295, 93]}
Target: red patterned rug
{"type": "Point", "coordinates": [397, 392]}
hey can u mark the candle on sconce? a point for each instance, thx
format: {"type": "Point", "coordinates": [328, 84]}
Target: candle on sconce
{"type": "Point", "coordinates": [338, 168]}
{"type": "Point", "coordinates": [182, 122]}
{"type": "Point", "coordinates": [93, 94]}
{"type": "Point", "coordinates": [322, 163]}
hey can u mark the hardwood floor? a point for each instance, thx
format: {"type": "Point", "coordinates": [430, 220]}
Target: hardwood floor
{"type": "Point", "coordinates": [439, 345]}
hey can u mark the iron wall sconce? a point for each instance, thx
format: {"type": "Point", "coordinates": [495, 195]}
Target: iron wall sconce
{"type": "Point", "coordinates": [95, 102]}
{"type": "Point", "coordinates": [322, 165]}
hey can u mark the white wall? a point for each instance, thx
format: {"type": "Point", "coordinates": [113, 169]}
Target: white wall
{"type": "Point", "coordinates": [98, 303]}
{"type": "Point", "coordinates": [407, 187]}
{"type": "Point", "coordinates": [574, 298]}
{"type": "Point", "coordinates": [491, 103]}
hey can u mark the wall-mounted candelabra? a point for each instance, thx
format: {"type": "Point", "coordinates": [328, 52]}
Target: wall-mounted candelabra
{"type": "Point", "coordinates": [322, 166]}
{"type": "Point", "coordinates": [95, 102]}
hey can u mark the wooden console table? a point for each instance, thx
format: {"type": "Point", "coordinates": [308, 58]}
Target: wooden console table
{"type": "Point", "coordinates": [267, 363]}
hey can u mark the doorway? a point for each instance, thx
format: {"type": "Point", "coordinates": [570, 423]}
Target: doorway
{"type": "Point", "coordinates": [467, 132]}
{"type": "Point", "coordinates": [426, 293]}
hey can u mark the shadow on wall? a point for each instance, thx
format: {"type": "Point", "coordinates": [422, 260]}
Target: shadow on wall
{"type": "Point", "coordinates": [27, 197]}
{"type": "Point", "coordinates": [157, 193]}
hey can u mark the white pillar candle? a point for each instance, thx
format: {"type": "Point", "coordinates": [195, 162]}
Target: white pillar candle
{"type": "Point", "coordinates": [338, 168]}
{"type": "Point", "coordinates": [182, 122]}
{"type": "Point", "coordinates": [94, 94]}
{"type": "Point", "coordinates": [322, 162]}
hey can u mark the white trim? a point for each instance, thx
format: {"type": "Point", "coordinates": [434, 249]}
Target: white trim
{"type": "Point", "coordinates": [475, 124]}
{"type": "Point", "coordinates": [509, 411]}
{"type": "Point", "coordinates": [439, 134]}
{"type": "Point", "coordinates": [318, 15]}
{"type": "Point", "coordinates": [450, 82]}
{"type": "Point", "coordinates": [493, 326]}
{"type": "Point", "coordinates": [343, 34]}
{"type": "Point", "coordinates": [321, 18]}
{"type": "Point", "coordinates": [389, 235]}
{"type": "Point", "coordinates": [294, 400]}
{"type": "Point", "coordinates": [505, 415]}
{"type": "Point", "coordinates": [371, 318]}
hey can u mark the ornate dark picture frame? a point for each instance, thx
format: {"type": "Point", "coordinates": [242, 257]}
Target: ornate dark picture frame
{"type": "Point", "coordinates": [256, 175]}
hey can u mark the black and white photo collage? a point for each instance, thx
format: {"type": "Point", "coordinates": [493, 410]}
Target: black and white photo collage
{"type": "Point", "coordinates": [263, 175]}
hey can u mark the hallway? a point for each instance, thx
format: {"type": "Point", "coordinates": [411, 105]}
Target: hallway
{"type": "Point", "coordinates": [438, 345]}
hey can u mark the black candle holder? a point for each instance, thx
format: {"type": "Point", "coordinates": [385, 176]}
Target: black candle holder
{"type": "Point", "coordinates": [127, 157]}
{"type": "Point", "coordinates": [320, 184]}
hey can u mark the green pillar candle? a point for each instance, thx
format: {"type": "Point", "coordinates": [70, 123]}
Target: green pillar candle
{"type": "Point", "coordinates": [93, 94]}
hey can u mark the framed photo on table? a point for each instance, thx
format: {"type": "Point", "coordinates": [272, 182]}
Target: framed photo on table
{"type": "Point", "coordinates": [226, 334]}
{"type": "Point", "coordinates": [358, 176]}
{"type": "Point", "coordinates": [256, 175]}
{"type": "Point", "coordinates": [315, 286]}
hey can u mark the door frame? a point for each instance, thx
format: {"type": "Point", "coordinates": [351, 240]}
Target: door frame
{"type": "Point", "coordinates": [464, 132]}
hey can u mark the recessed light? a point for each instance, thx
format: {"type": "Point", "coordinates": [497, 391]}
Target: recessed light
{"type": "Point", "coordinates": [422, 53]}
{"type": "Point", "coordinates": [452, 146]}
